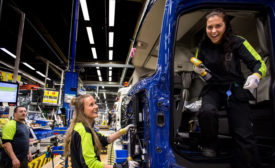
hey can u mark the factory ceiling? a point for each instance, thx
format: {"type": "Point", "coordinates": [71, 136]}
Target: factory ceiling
{"type": "Point", "coordinates": [48, 35]}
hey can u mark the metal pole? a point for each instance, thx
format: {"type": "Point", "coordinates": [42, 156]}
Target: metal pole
{"type": "Point", "coordinates": [18, 49]}
{"type": "Point", "coordinates": [75, 34]}
{"type": "Point", "coordinates": [46, 75]}
{"type": "Point", "coordinates": [70, 38]}
{"type": "Point", "coordinates": [1, 4]}
{"type": "Point", "coordinates": [60, 88]}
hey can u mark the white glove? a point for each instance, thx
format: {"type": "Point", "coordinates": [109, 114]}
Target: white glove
{"type": "Point", "coordinates": [132, 164]}
{"type": "Point", "coordinates": [129, 126]}
{"type": "Point", "coordinates": [125, 130]}
{"type": "Point", "coordinates": [252, 82]}
{"type": "Point", "coordinates": [199, 70]}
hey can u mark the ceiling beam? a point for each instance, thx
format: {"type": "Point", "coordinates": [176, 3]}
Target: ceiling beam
{"type": "Point", "coordinates": [100, 64]}
{"type": "Point", "coordinates": [97, 83]}
{"type": "Point", "coordinates": [102, 91]}
{"type": "Point", "coordinates": [24, 74]}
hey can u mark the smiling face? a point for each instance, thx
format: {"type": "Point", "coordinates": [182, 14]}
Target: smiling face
{"type": "Point", "coordinates": [215, 28]}
{"type": "Point", "coordinates": [90, 108]}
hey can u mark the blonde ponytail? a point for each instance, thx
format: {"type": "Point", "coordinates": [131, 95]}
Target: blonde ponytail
{"type": "Point", "coordinates": [78, 116]}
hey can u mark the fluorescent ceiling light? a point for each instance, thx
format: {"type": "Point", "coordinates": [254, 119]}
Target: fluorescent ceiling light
{"type": "Point", "coordinates": [98, 73]}
{"type": "Point", "coordinates": [111, 39]}
{"type": "Point", "coordinates": [28, 65]}
{"type": "Point", "coordinates": [84, 8]}
{"type": "Point", "coordinates": [104, 94]}
{"type": "Point", "coordinates": [102, 87]}
{"type": "Point", "coordinates": [40, 74]}
{"type": "Point", "coordinates": [112, 6]}
{"type": "Point", "coordinates": [110, 78]}
{"type": "Point", "coordinates": [100, 78]}
{"type": "Point", "coordinates": [90, 35]}
{"type": "Point", "coordinates": [8, 52]}
{"type": "Point", "coordinates": [110, 73]}
{"type": "Point", "coordinates": [94, 53]}
{"type": "Point", "coordinates": [97, 67]}
{"type": "Point", "coordinates": [110, 68]}
{"type": "Point", "coordinates": [48, 79]}
{"type": "Point", "coordinates": [110, 55]}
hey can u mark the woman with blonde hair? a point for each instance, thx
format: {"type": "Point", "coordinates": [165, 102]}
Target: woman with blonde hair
{"type": "Point", "coordinates": [82, 142]}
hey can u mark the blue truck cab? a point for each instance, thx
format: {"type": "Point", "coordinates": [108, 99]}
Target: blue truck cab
{"type": "Point", "coordinates": [164, 98]}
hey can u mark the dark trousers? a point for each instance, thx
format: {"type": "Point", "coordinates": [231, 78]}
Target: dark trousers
{"type": "Point", "coordinates": [239, 119]}
{"type": "Point", "coordinates": [8, 163]}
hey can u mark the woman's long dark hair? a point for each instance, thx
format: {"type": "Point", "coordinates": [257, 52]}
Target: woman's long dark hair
{"type": "Point", "coordinates": [227, 39]}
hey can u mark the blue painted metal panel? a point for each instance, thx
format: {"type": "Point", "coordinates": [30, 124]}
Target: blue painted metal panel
{"type": "Point", "coordinates": [157, 87]}
{"type": "Point", "coordinates": [70, 88]}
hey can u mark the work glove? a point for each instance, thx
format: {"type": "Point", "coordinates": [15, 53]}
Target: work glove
{"type": "Point", "coordinates": [127, 164]}
{"type": "Point", "coordinates": [132, 164]}
{"type": "Point", "coordinates": [199, 70]}
{"type": "Point", "coordinates": [252, 82]}
{"type": "Point", "coordinates": [125, 130]}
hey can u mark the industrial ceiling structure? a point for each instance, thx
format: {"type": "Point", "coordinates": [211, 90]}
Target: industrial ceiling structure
{"type": "Point", "coordinates": [57, 31]}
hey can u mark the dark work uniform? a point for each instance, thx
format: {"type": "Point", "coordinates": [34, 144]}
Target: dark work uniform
{"type": "Point", "coordinates": [17, 134]}
{"type": "Point", "coordinates": [83, 153]}
{"type": "Point", "coordinates": [236, 101]}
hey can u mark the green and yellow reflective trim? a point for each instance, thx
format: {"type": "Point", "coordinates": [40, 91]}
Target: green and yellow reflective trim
{"type": "Point", "coordinates": [197, 53]}
{"type": "Point", "coordinates": [88, 151]}
{"type": "Point", "coordinates": [9, 130]}
{"type": "Point", "coordinates": [256, 56]}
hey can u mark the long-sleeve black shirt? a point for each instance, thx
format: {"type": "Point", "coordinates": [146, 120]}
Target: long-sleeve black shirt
{"type": "Point", "coordinates": [212, 56]}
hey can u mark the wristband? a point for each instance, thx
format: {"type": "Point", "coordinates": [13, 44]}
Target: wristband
{"type": "Point", "coordinates": [122, 131]}
{"type": "Point", "coordinates": [257, 74]}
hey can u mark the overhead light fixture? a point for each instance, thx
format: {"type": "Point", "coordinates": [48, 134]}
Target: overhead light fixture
{"type": "Point", "coordinates": [110, 73]}
{"type": "Point", "coordinates": [111, 39]}
{"type": "Point", "coordinates": [103, 87]}
{"type": "Point", "coordinates": [94, 53]}
{"type": "Point", "coordinates": [104, 94]}
{"type": "Point", "coordinates": [98, 73]}
{"type": "Point", "coordinates": [110, 78]}
{"type": "Point", "coordinates": [28, 65]}
{"type": "Point", "coordinates": [84, 8]}
{"type": "Point", "coordinates": [110, 68]}
{"type": "Point", "coordinates": [48, 79]}
{"type": "Point", "coordinates": [97, 67]}
{"type": "Point", "coordinates": [100, 78]}
{"type": "Point", "coordinates": [90, 35]}
{"type": "Point", "coordinates": [112, 8]}
{"type": "Point", "coordinates": [8, 52]}
{"type": "Point", "coordinates": [40, 74]}
{"type": "Point", "coordinates": [110, 55]}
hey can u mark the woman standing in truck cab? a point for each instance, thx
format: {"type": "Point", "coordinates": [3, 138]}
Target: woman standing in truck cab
{"type": "Point", "coordinates": [221, 52]}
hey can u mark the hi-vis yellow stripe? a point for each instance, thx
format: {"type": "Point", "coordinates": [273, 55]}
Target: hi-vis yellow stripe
{"type": "Point", "coordinates": [256, 56]}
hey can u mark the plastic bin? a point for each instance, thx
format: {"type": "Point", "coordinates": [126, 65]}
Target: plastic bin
{"type": "Point", "coordinates": [121, 156]}
{"type": "Point", "coordinates": [42, 133]}
{"type": "Point", "coordinates": [60, 130]}
{"type": "Point", "coordinates": [41, 122]}
{"type": "Point", "coordinates": [58, 150]}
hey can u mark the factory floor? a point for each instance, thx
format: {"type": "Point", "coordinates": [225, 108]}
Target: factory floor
{"type": "Point", "coordinates": [59, 162]}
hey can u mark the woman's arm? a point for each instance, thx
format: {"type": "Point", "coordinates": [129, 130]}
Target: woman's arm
{"type": "Point", "coordinates": [119, 133]}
